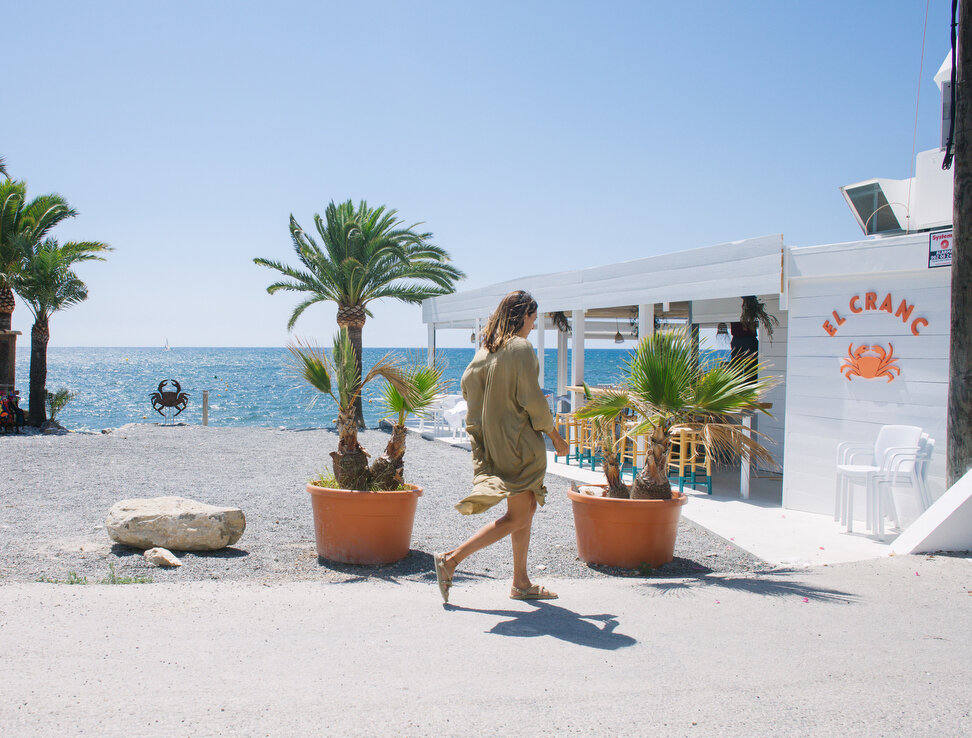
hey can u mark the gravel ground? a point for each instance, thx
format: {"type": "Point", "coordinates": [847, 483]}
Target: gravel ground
{"type": "Point", "coordinates": [55, 492]}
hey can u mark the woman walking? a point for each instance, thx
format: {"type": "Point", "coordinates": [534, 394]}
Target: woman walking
{"type": "Point", "coordinates": [507, 413]}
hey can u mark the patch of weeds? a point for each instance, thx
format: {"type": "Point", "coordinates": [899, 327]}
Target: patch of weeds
{"type": "Point", "coordinates": [72, 578]}
{"type": "Point", "coordinates": [646, 570]}
{"type": "Point", "coordinates": [326, 479]}
{"type": "Point", "coordinates": [113, 578]}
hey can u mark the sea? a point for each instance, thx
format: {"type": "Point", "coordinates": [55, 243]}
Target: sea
{"type": "Point", "coordinates": [247, 386]}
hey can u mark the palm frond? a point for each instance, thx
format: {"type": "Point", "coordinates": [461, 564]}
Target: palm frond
{"type": "Point", "coordinates": [729, 387]}
{"type": "Point", "coordinates": [754, 314]}
{"type": "Point", "coordinates": [313, 365]}
{"type": "Point", "coordinates": [300, 308]}
{"type": "Point", "coordinates": [606, 403]}
{"type": "Point", "coordinates": [361, 253]}
{"type": "Point", "coordinates": [423, 385]}
{"type": "Point", "coordinates": [45, 278]}
{"type": "Point", "coordinates": [663, 370]}
{"type": "Point", "coordinates": [723, 439]}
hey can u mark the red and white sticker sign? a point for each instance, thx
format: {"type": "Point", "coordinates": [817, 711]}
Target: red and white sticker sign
{"type": "Point", "coordinates": [940, 249]}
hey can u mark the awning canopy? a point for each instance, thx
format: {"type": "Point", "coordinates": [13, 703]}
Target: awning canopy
{"type": "Point", "coordinates": [749, 267]}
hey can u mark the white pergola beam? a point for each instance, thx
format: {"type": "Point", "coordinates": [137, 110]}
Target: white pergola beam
{"type": "Point", "coordinates": [577, 357]}
{"type": "Point", "coordinates": [541, 339]}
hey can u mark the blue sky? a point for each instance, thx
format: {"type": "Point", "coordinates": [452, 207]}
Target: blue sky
{"type": "Point", "coordinates": [530, 137]}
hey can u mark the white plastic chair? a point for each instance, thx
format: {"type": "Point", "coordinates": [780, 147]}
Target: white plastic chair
{"type": "Point", "coordinates": [891, 440]}
{"type": "Point", "coordinates": [455, 418]}
{"type": "Point", "coordinates": [906, 468]}
{"type": "Point", "coordinates": [435, 412]}
{"type": "Point", "coordinates": [559, 404]}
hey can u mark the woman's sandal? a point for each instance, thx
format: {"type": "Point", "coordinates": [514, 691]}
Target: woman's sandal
{"type": "Point", "coordinates": [534, 592]}
{"type": "Point", "coordinates": [444, 582]}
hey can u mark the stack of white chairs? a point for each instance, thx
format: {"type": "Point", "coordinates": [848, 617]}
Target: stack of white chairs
{"type": "Point", "coordinates": [907, 470]}
{"type": "Point", "coordinates": [899, 457]}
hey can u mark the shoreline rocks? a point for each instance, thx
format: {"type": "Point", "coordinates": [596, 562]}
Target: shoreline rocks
{"type": "Point", "coordinates": [175, 523]}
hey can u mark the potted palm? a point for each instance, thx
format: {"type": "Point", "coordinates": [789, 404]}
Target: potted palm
{"type": "Point", "coordinates": [362, 254]}
{"type": "Point", "coordinates": [667, 388]}
{"type": "Point", "coordinates": [363, 512]}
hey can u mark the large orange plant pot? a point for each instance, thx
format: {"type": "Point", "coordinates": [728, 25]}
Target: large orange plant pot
{"type": "Point", "coordinates": [625, 533]}
{"type": "Point", "coordinates": [363, 527]}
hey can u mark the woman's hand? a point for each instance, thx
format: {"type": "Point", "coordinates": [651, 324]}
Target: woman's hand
{"type": "Point", "coordinates": [560, 445]}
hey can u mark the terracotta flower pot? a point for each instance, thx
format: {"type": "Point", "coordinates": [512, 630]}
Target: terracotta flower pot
{"type": "Point", "coordinates": [625, 533]}
{"type": "Point", "coordinates": [363, 527]}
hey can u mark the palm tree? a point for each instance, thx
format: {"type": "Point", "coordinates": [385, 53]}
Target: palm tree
{"type": "Point", "coordinates": [365, 254]}
{"type": "Point", "coordinates": [424, 386]}
{"type": "Point", "coordinates": [47, 283]}
{"type": "Point", "coordinates": [3, 168]}
{"type": "Point", "coordinates": [666, 387]}
{"type": "Point", "coordinates": [23, 225]}
{"type": "Point", "coordinates": [410, 390]}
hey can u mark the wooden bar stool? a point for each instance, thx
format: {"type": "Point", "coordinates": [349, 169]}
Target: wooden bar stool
{"type": "Point", "coordinates": [688, 460]}
{"type": "Point", "coordinates": [568, 425]}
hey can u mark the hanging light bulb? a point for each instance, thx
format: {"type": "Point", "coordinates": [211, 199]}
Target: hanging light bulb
{"type": "Point", "coordinates": [722, 340]}
{"type": "Point", "coordinates": [618, 338]}
{"type": "Point", "coordinates": [472, 337]}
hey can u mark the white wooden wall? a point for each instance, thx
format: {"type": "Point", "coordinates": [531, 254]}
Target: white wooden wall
{"type": "Point", "coordinates": [823, 408]}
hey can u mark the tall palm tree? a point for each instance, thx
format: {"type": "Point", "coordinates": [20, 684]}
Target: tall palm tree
{"type": "Point", "coordinates": [365, 254]}
{"type": "Point", "coordinates": [47, 283]}
{"type": "Point", "coordinates": [666, 387]}
{"type": "Point", "coordinates": [23, 226]}
{"type": "Point", "coordinates": [3, 167]}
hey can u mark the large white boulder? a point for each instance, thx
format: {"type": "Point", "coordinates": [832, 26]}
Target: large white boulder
{"type": "Point", "coordinates": [175, 523]}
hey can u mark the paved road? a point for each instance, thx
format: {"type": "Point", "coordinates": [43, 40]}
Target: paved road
{"type": "Point", "coordinates": [873, 648]}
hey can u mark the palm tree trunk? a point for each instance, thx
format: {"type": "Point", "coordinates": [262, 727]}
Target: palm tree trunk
{"type": "Point", "coordinates": [958, 436]}
{"type": "Point", "coordinates": [352, 319]}
{"type": "Point", "coordinates": [652, 481]}
{"type": "Point", "coordinates": [388, 469]}
{"type": "Point", "coordinates": [8, 369]}
{"type": "Point", "coordinates": [612, 471]}
{"type": "Point", "coordinates": [39, 336]}
{"type": "Point", "coordinates": [354, 333]}
{"type": "Point", "coordinates": [350, 460]}
{"type": "Point", "coordinates": [7, 304]}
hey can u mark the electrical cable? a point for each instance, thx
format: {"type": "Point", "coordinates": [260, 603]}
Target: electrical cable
{"type": "Point", "coordinates": [914, 138]}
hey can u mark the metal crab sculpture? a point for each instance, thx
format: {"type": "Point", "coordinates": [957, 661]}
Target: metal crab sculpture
{"type": "Point", "coordinates": [164, 399]}
{"type": "Point", "coordinates": [879, 363]}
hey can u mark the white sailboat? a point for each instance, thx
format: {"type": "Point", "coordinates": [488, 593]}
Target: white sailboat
{"type": "Point", "coordinates": [165, 345]}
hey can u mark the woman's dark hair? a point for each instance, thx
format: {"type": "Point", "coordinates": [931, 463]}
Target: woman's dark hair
{"type": "Point", "coordinates": [507, 320]}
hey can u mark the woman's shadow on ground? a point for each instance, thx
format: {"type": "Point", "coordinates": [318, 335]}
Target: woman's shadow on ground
{"type": "Point", "coordinates": [593, 631]}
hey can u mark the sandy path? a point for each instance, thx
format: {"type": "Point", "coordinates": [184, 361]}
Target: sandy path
{"type": "Point", "coordinates": [876, 648]}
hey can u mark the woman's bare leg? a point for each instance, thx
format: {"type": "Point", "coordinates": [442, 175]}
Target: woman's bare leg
{"type": "Point", "coordinates": [519, 515]}
{"type": "Point", "coordinates": [521, 545]}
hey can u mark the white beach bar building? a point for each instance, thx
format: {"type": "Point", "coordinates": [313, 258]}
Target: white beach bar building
{"type": "Point", "coordinates": [863, 328]}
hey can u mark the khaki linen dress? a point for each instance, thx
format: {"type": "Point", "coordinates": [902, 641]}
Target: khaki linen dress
{"type": "Point", "coordinates": [506, 415]}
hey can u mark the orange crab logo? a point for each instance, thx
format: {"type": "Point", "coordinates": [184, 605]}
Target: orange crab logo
{"type": "Point", "coordinates": [877, 363]}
